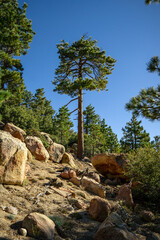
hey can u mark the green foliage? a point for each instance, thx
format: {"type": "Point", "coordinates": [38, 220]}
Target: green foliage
{"type": "Point", "coordinates": [15, 35]}
{"type": "Point", "coordinates": [111, 143]}
{"type": "Point", "coordinates": [62, 125]}
{"type": "Point", "coordinates": [147, 103]}
{"type": "Point", "coordinates": [59, 221]}
{"type": "Point", "coordinates": [154, 65]}
{"type": "Point", "coordinates": [82, 66]}
{"type": "Point", "coordinates": [144, 168]}
{"type": "Point", "coordinates": [20, 116]}
{"type": "Point", "coordinates": [11, 217]}
{"type": "Point", "coordinates": [42, 109]}
{"type": "Point", "coordinates": [134, 136]}
{"type": "Point", "coordinates": [151, 1]}
{"type": "Point", "coordinates": [99, 137]}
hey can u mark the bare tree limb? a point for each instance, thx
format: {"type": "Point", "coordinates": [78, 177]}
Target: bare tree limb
{"type": "Point", "coordinates": [73, 111]}
{"type": "Point", "coordinates": [71, 101]}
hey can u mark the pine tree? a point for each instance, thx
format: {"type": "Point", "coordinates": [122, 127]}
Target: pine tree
{"type": "Point", "coordinates": [83, 66]}
{"type": "Point", "coordinates": [134, 136]}
{"type": "Point", "coordinates": [90, 118]}
{"type": "Point", "coordinates": [110, 143]}
{"type": "Point", "coordinates": [62, 126]}
{"type": "Point", "coordinates": [15, 35]}
{"type": "Point", "coordinates": [147, 102]}
{"type": "Point", "coordinates": [43, 111]}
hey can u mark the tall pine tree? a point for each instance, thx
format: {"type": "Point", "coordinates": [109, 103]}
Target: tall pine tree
{"type": "Point", "coordinates": [83, 66]}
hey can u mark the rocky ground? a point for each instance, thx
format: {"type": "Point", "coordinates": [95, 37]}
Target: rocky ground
{"type": "Point", "coordinates": [44, 191]}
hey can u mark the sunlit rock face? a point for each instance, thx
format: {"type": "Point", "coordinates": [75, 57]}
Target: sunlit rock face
{"type": "Point", "coordinates": [13, 158]}
{"type": "Point", "coordinates": [110, 165]}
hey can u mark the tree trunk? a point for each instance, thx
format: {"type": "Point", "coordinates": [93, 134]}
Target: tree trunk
{"type": "Point", "coordinates": [80, 150]}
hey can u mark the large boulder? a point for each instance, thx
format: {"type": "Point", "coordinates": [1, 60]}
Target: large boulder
{"type": "Point", "coordinates": [99, 209]}
{"type": "Point", "coordinates": [39, 226]}
{"type": "Point", "coordinates": [13, 158]}
{"type": "Point", "coordinates": [110, 165]}
{"type": "Point", "coordinates": [15, 131]}
{"type": "Point", "coordinates": [36, 147]}
{"type": "Point", "coordinates": [92, 186]}
{"type": "Point", "coordinates": [55, 150]}
{"type": "Point", "coordinates": [113, 228]}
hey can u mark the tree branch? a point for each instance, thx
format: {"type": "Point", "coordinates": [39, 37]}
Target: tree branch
{"type": "Point", "coordinates": [70, 102]}
{"type": "Point", "coordinates": [73, 111]}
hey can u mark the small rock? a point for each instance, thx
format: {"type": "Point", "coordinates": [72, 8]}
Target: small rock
{"type": "Point", "coordinates": [11, 210]}
{"type": "Point", "coordinates": [76, 181]}
{"type": "Point", "coordinates": [23, 232]}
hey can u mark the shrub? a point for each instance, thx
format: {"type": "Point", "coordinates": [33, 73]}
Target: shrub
{"type": "Point", "coordinates": [144, 168]}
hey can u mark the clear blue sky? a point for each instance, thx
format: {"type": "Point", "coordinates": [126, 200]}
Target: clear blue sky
{"type": "Point", "coordinates": [128, 31]}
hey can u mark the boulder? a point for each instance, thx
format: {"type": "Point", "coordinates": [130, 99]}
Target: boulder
{"type": "Point", "coordinates": [39, 226]}
{"type": "Point", "coordinates": [69, 159]}
{"type": "Point", "coordinates": [110, 165]}
{"type": "Point", "coordinates": [13, 158]}
{"type": "Point", "coordinates": [99, 209]}
{"type": "Point", "coordinates": [36, 147]}
{"type": "Point", "coordinates": [125, 194]}
{"type": "Point", "coordinates": [113, 228]}
{"type": "Point", "coordinates": [15, 131]}
{"type": "Point", "coordinates": [93, 187]}
{"type": "Point", "coordinates": [55, 150]}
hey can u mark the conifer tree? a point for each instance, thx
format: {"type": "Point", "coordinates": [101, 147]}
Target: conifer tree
{"type": "Point", "coordinates": [147, 102]}
{"type": "Point", "coordinates": [63, 125]}
{"type": "Point", "coordinates": [43, 111]}
{"type": "Point", "coordinates": [15, 35]}
{"type": "Point", "coordinates": [90, 118]}
{"type": "Point", "coordinates": [83, 66]}
{"type": "Point", "coordinates": [134, 136]}
{"type": "Point", "coordinates": [110, 143]}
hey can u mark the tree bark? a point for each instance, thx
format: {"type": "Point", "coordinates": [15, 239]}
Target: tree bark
{"type": "Point", "coordinates": [80, 150]}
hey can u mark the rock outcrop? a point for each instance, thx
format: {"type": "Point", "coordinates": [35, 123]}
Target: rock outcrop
{"type": "Point", "coordinates": [13, 158]}
{"type": "Point", "coordinates": [39, 226]}
{"type": "Point", "coordinates": [36, 147]}
{"type": "Point", "coordinates": [15, 131]}
{"type": "Point", "coordinates": [110, 165]}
